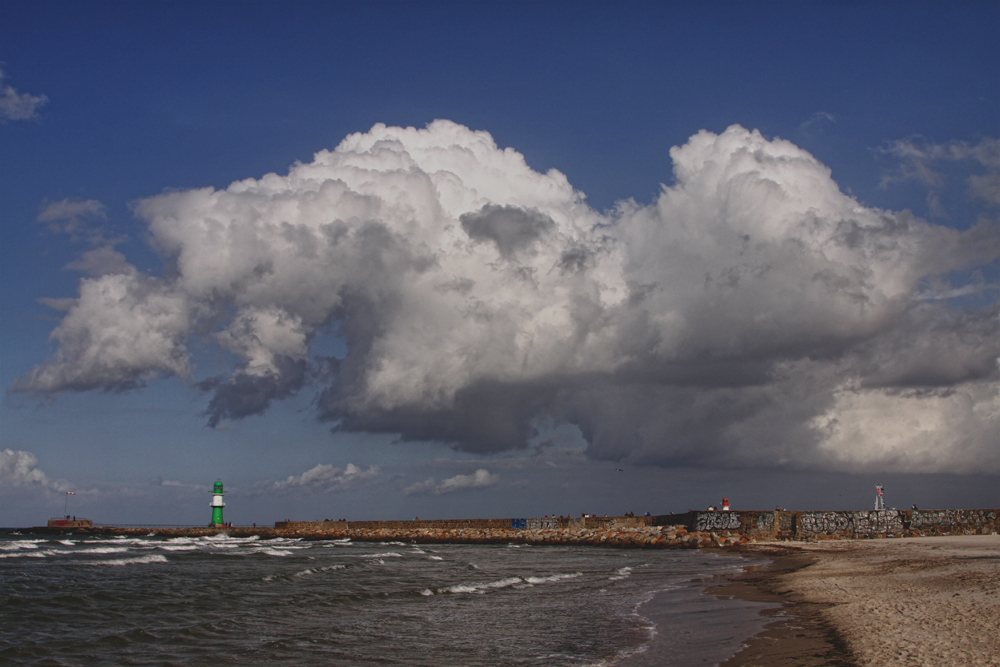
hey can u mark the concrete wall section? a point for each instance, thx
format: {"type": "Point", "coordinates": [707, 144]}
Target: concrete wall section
{"type": "Point", "coordinates": [844, 525]}
{"type": "Point", "coordinates": [325, 525]}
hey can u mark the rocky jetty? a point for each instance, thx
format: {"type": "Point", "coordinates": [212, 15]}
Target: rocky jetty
{"type": "Point", "coordinates": [646, 537]}
{"type": "Point", "coordinates": [691, 530]}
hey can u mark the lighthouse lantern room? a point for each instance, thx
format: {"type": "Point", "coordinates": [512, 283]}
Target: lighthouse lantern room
{"type": "Point", "coordinates": [217, 504]}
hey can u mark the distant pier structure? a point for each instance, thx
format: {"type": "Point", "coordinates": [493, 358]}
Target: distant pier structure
{"type": "Point", "coordinates": [217, 504]}
{"type": "Point", "coordinates": [68, 522]}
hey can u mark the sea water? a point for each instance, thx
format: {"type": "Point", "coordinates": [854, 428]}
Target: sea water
{"type": "Point", "coordinates": [83, 600]}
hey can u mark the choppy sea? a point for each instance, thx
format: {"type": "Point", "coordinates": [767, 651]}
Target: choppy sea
{"type": "Point", "coordinates": [83, 600]}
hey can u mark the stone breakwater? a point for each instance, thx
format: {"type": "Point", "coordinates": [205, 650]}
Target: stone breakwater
{"type": "Point", "coordinates": [647, 537]}
{"type": "Point", "coordinates": [692, 530]}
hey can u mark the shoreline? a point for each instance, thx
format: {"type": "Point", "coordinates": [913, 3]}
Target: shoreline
{"type": "Point", "coordinates": [795, 634]}
{"type": "Point", "coordinates": [693, 626]}
{"type": "Point", "coordinates": [868, 603]}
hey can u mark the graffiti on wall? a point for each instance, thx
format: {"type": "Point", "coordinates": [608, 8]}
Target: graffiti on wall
{"type": "Point", "coordinates": [765, 522]}
{"type": "Point", "coordinates": [877, 522]}
{"type": "Point", "coordinates": [709, 521]}
{"type": "Point", "coordinates": [826, 523]}
{"type": "Point", "coordinates": [863, 524]}
{"type": "Point", "coordinates": [541, 524]}
{"type": "Point", "coordinates": [933, 518]}
{"type": "Point", "coordinates": [948, 518]}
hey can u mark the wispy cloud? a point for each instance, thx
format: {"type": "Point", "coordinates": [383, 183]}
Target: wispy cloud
{"type": "Point", "coordinates": [919, 161]}
{"type": "Point", "coordinates": [70, 216]}
{"type": "Point", "coordinates": [324, 478]}
{"type": "Point", "coordinates": [818, 118]}
{"type": "Point", "coordinates": [84, 221]}
{"type": "Point", "coordinates": [479, 479]}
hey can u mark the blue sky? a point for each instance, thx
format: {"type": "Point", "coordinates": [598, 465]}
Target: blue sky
{"type": "Point", "coordinates": [711, 338]}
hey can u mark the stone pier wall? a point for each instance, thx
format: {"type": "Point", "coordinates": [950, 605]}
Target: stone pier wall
{"type": "Point", "coordinates": [692, 530]}
{"type": "Point", "coordinates": [753, 525]}
{"type": "Point", "coordinates": [555, 523]}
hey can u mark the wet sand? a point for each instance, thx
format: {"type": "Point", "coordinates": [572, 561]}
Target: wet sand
{"type": "Point", "coordinates": [867, 603]}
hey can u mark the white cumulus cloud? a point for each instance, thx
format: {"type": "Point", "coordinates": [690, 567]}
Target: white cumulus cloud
{"type": "Point", "coordinates": [479, 479]}
{"type": "Point", "coordinates": [729, 322]}
{"type": "Point", "coordinates": [19, 470]}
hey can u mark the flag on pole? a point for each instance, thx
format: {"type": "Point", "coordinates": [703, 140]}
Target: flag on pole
{"type": "Point", "coordinates": [71, 493]}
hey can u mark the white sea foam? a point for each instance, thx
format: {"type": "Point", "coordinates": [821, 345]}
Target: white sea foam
{"type": "Point", "coordinates": [461, 588]}
{"type": "Point", "coordinates": [177, 547]}
{"type": "Point", "coordinates": [216, 538]}
{"type": "Point", "coordinates": [273, 547]}
{"type": "Point", "coordinates": [480, 588]}
{"type": "Point", "coordinates": [225, 538]}
{"type": "Point", "coordinates": [434, 558]}
{"type": "Point", "coordinates": [427, 592]}
{"type": "Point", "coordinates": [388, 554]}
{"type": "Point", "coordinates": [328, 568]}
{"type": "Point", "coordinates": [621, 573]}
{"type": "Point", "coordinates": [28, 554]}
{"type": "Point", "coordinates": [552, 578]}
{"type": "Point", "coordinates": [141, 560]}
{"type": "Point", "coordinates": [119, 540]}
{"type": "Point", "coordinates": [275, 552]}
{"type": "Point", "coordinates": [22, 544]}
{"type": "Point", "coordinates": [68, 543]}
{"type": "Point", "coordinates": [106, 550]}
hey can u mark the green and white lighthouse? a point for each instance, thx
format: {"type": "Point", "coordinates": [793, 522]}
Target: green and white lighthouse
{"type": "Point", "coordinates": [217, 504]}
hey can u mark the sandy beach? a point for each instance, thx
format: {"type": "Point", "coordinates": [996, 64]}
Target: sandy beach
{"type": "Point", "coordinates": [914, 601]}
